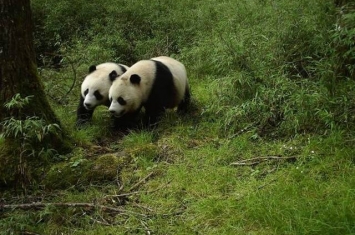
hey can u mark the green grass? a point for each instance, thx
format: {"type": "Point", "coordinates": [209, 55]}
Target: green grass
{"type": "Point", "coordinates": [267, 79]}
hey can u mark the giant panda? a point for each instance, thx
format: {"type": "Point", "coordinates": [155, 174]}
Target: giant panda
{"type": "Point", "coordinates": [156, 84]}
{"type": "Point", "coordinates": [95, 88]}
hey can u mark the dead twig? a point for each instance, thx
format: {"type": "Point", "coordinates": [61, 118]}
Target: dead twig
{"type": "Point", "coordinates": [245, 129]}
{"type": "Point", "coordinates": [136, 192]}
{"type": "Point", "coordinates": [41, 205]}
{"type": "Point", "coordinates": [140, 182]}
{"type": "Point", "coordinates": [71, 62]}
{"type": "Point", "coordinates": [27, 233]}
{"type": "Point", "coordinates": [124, 194]}
{"type": "Point", "coordinates": [258, 160]}
{"type": "Point", "coordinates": [101, 222]}
{"type": "Point", "coordinates": [119, 185]}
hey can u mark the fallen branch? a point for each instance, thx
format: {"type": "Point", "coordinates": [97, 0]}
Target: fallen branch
{"type": "Point", "coordinates": [27, 233]}
{"type": "Point", "coordinates": [242, 131]}
{"type": "Point", "coordinates": [258, 160]}
{"type": "Point", "coordinates": [41, 205]}
{"type": "Point", "coordinates": [124, 194]}
{"type": "Point", "coordinates": [140, 182]}
{"type": "Point", "coordinates": [136, 192]}
{"type": "Point", "coordinates": [100, 222]}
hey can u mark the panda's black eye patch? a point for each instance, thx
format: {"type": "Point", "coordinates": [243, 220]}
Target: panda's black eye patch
{"type": "Point", "coordinates": [86, 91]}
{"type": "Point", "coordinates": [121, 101]}
{"type": "Point", "coordinates": [98, 95]}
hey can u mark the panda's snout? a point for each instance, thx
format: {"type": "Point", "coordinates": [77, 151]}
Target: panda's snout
{"type": "Point", "coordinates": [117, 114]}
{"type": "Point", "coordinates": [88, 105]}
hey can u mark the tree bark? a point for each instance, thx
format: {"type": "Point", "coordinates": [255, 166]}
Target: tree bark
{"type": "Point", "coordinates": [18, 74]}
{"type": "Point", "coordinates": [18, 70]}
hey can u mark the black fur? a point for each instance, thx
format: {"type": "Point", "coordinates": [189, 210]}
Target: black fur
{"type": "Point", "coordinates": [83, 115]}
{"type": "Point", "coordinates": [113, 75]}
{"type": "Point", "coordinates": [184, 104]}
{"type": "Point", "coordinates": [162, 94]}
{"type": "Point", "coordinates": [135, 79]}
{"type": "Point", "coordinates": [92, 68]}
{"type": "Point", "coordinates": [123, 69]}
{"type": "Point", "coordinates": [127, 122]}
{"type": "Point", "coordinates": [121, 101]}
{"type": "Point", "coordinates": [97, 95]}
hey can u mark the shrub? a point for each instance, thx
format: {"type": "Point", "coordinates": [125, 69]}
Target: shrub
{"type": "Point", "coordinates": [32, 137]}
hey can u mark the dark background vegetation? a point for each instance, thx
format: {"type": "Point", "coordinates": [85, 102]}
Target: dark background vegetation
{"type": "Point", "coordinates": [284, 70]}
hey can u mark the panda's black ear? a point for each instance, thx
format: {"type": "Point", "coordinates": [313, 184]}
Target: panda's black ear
{"type": "Point", "coordinates": [92, 68]}
{"type": "Point", "coordinates": [135, 79]}
{"type": "Point", "coordinates": [113, 75]}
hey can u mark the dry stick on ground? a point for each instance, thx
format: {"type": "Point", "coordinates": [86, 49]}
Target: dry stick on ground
{"type": "Point", "coordinates": [104, 222]}
{"type": "Point", "coordinates": [27, 233]}
{"type": "Point", "coordinates": [137, 192]}
{"type": "Point", "coordinates": [242, 131]}
{"type": "Point", "coordinates": [140, 182]}
{"type": "Point", "coordinates": [130, 191]}
{"type": "Point", "coordinates": [258, 160]}
{"type": "Point", "coordinates": [119, 185]}
{"type": "Point", "coordinates": [40, 205]}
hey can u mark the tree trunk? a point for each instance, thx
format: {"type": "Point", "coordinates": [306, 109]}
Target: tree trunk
{"type": "Point", "coordinates": [18, 74]}
{"type": "Point", "coordinates": [18, 70]}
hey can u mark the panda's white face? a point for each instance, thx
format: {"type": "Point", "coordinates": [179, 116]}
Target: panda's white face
{"type": "Point", "coordinates": [95, 92]}
{"type": "Point", "coordinates": [125, 97]}
{"type": "Point", "coordinates": [96, 85]}
{"type": "Point", "coordinates": [131, 89]}
{"type": "Point", "coordinates": [93, 98]}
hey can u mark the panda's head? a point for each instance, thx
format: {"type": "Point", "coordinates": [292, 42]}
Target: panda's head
{"type": "Point", "coordinates": [96, 85]}
{"type": "Point", "coordinates": [125, 95]}
{"type": "Point", "coordinates": [129, 91]}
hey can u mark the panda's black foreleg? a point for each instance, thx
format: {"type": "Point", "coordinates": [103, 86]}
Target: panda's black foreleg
{"type": "Point", "coordinates": [184, 104]}
{"type": "Point", "coordinates": [83, 115]}
{"type": "Point", "coordinates": [152, 115]}
{"type": "Point", "coordinates": [124, 123]}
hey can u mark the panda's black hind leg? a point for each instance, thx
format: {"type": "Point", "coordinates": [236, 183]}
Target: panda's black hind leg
{"type": "Point", "coordinates": [83, 115]}
{"type": "Point", "coordinates": [185, 103]}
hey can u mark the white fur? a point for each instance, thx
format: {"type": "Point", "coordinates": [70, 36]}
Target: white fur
{"type": "Point", "coordinates": [99, 80]}
{"type": "Point", "coordinates": [136, 95]}
{"type": "Point", "coordinates": [179, 76]}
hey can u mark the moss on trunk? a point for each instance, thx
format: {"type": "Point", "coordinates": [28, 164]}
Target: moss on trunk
{"type": "Point", "coordinates": [18, 74]}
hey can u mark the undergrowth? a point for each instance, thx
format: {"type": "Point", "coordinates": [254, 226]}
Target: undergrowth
{"type": "Point", "coordinates": [267, 147]}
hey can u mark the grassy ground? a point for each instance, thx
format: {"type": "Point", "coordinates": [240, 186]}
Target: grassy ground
{"type": "Point", "coordinates": [267, 147]}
